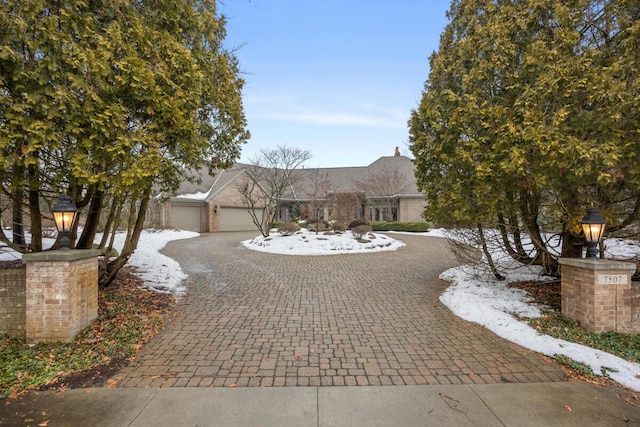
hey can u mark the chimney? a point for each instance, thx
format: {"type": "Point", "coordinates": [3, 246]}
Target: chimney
{"type": "Point", "coordinates": [397, 152]}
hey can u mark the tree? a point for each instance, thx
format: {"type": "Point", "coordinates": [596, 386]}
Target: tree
{"type": "Point", "coordinates": [528, 117]}
{"type": "Point", "coordinates": [345, 206]}
{"type": "Point", "coordinates": [318, 194]}
{"type": "Point", "coordinates": [382, 187]}
{"type": "Point", "coordinates": [273, 174]}
{"type": "Point", "coordinates": [106, 101]}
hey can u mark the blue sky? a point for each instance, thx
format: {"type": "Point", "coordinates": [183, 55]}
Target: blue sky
{"type": "Point", "coordinates": [337, 78]}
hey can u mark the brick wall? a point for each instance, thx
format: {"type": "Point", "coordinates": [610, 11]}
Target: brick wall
{"type": "Point", "coordinates": [410, 210]}
{"type": "Point", "coordinates": [61, 294]}
{"type": "Point", "coordinates": [599, 305]}
{"type": "Point", "coordinates": [12, 302]}
{"type": "Point", "coordinates": [635, 305]}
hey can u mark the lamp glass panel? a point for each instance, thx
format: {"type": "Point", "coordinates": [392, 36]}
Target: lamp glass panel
{"type": "Point", "coordinates": [593, 232]}
{"type": "Point", "coordinates": [64, 220]}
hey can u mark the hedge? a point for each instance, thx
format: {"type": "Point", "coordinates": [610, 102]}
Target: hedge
{"type": "Point", "coordinates": [400, 226]}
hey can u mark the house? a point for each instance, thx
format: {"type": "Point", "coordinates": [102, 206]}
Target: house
{"type": "Point", "coordinates": [383, 191]}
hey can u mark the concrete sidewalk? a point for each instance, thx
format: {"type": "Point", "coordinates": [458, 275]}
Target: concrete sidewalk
{"type": "Point", "coordinates": [534, 404]}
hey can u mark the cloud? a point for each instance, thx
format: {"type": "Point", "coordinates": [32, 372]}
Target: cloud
{"type": "Point", "coordinates": [319, 118]}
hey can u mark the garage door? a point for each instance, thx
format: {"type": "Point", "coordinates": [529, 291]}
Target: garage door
{"type": "Point", "coordinates": [236, 219]}
{"type": "Point", "coordinates": [186, 217]}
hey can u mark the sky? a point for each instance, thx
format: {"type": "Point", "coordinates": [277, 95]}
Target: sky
{"type": "Point", "coordinates": [338, 78]}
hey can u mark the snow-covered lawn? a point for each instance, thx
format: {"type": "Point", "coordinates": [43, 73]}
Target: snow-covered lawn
{"type": "Point", "coordinates": [158, 271]}
{"type": "Point", "coordinates": [474, 298]}
{"type": "Point", "coordinates": [305, 242]}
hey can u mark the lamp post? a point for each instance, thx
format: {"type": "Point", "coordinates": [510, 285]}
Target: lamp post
{"type": "Point", "coordinates": [64, 214]}
{"type": "Point", "coordinates": [593, 225]}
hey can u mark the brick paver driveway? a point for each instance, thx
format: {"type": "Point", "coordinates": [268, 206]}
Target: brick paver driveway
{"type": "Point", "coordinates": [257, 319]}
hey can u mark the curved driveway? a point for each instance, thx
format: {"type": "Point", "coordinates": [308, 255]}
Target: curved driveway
{"type": "Point", "coordinates": [258, 319]}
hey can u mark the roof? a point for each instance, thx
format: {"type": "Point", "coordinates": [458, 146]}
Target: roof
{"type": "Point", "coordinates": [343, 179]}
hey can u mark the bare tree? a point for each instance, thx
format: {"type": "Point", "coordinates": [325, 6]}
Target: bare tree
{"type": "Point", "coordinates": [318, 193]}
{"type": "Point", "coordinates": [272, 176]}
{"type": "Point", "coordinates": [382, 187]}
{"type": "Point", "coordinates": [345, 206]}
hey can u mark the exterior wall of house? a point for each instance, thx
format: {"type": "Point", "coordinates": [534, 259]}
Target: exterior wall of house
{"type": "Point", "coordinates": [229, 197]}
{"type": "Point", "coordinates": [410, 210]}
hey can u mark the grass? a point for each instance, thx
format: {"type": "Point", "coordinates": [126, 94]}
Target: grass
{"type": "Point", "coordinates": [625, 346]}
{"type": "Point", "coordinates": [128, 316]}
{"type": "Point", "coordinates": [553, 323]}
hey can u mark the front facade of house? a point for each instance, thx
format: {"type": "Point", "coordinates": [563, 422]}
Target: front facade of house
{"type": "Point", "coordinates": [382, 191]}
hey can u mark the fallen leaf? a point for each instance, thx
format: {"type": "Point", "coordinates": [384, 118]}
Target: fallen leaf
{"type": "Point", "coordinates": [154, 377]}
{"type": "Point", "coordinates": [232, 385]}
{"type": "Point", "coordinates": [44, 423]}
{"type": "Point", "coordinates": [568, 408]}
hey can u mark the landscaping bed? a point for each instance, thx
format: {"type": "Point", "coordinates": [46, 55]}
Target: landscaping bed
{"type": "Point", "coordinates": [128, 316]}
{"type": "Point", "coordinates": [553, 323]}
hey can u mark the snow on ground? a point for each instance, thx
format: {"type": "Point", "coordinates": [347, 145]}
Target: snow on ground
{"type": "Point", "coordinates": [486, 302]}
{"type": "Point", "coordinates": [493, 305]}
{"type": "Point", "coordinates": [305, 242]}
{"type": "Point", "coordinates": [158, 271]}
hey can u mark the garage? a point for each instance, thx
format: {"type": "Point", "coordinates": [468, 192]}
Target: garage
{"type": "Point", "coordinates": [236, 219]}
{"type": "Point", "coordinates": [187, 216]}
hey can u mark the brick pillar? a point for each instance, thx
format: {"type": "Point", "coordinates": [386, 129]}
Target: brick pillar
{"type": "Point", "coordinates": [61, 294]}
{"type": "Point", "coordinates": [12, 302]}
{"type": "Point", "coordinates": [597, 293]}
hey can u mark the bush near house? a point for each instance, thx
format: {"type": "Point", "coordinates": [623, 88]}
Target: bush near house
{"type": "Point", "coordinates": [288, 228]}
{"type": "Point", "coordinates": [357, 222]}
{"type": "Point", "coordinates": [361, 231]}
{"type": "Point", "coordinates": [318, 225]}
{"type": "Point", "coordinates": [400, 226]}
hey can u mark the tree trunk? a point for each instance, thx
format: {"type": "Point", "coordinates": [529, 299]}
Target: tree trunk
{"type": "Point", "coordinates": [130, 244]}
{"type": "Point", "coordinates": [34, 210]}
{"type": "Point", "coordinates": [93, 221]}
{"type": "Point", "coordinates": [17, 218]}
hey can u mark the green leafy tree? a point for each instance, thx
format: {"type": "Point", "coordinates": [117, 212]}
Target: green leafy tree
{"type": "Point", "coordinates": [529, 115]}
{"type": "Point", "coordinates": [107, 100]}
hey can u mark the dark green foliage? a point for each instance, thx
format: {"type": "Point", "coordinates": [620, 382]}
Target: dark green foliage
{"type": "Point", "coordinates": [400, 226]}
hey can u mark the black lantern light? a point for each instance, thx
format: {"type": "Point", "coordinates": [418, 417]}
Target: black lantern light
{"type": "Point", "coordinates": [593, 225]}
{"type": "Point", "coordinates": [64, 214]}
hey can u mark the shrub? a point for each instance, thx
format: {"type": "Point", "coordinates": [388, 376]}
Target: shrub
{"type": "Point", "coordinates": [339, 226]}
{"type": "Point", "coordinates": [317, 225]}
{"type": "Point", "coordinates": [400, 226]}
{"type": "Point", "coordinates": [357, 222]}
{"type": "Point", "coordinates": [288, 228]}
{"type": "Point", "coordinates": [360, 231]}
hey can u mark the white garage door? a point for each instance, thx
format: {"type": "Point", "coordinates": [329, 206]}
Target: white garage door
{"type": "Point", "coordinates": [236, 219]}
{"type": "Point", "coordinates": [186, 217]}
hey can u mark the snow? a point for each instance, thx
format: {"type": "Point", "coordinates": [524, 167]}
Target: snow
{"type": "Point", "coordinates": [305, 242]}
{"type": "Point", "coordinates": [159, 272]}
{"type": "Point", "coordinates": [473, 298]}
{"type": "Point", "coordinates": [193, 196]}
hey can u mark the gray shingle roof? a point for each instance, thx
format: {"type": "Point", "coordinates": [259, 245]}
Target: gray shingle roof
{"type": "Point", "coordinates": [343, 179]}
